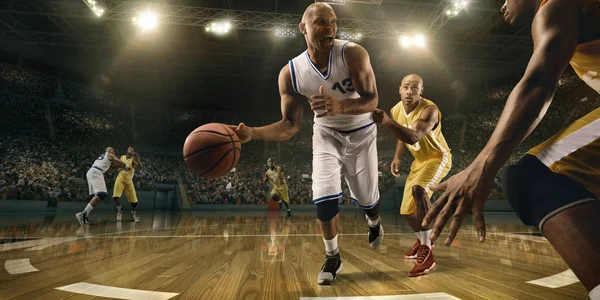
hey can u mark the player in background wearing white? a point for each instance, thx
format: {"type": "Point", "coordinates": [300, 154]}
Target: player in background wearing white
{"type": "Point", "coordinates": [337, 78]}
{"type": "Point", "coordinates": [96, 183]}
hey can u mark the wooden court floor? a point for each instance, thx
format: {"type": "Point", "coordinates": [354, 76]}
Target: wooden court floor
{"type": "Point", "coordinates": [250, 255]}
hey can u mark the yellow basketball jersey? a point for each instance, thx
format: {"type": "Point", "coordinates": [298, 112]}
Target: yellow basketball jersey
{"type": "Point", "coordinates": [433, 144]}
{"type": "Point", "coordinates": [575, 150]}
{"type": "Point", "coordinates": [275, 177]}
{"type": "Point", "coordinates": [127, 173]}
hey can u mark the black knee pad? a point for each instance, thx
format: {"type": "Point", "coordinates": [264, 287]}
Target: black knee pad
{"type": "Point", "coordinates": [102, 196]}
{"type": "Point", "coordinates": [327, 210]}
{"type": "Point", "coordinates": [535, 193]}
{"type": "Point", "coordinates": [373, 211]}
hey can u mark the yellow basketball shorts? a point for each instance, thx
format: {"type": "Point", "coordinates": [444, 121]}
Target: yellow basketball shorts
{"type": "Point", "coordinates": [424, 174]}
{"type": "Point", "coordinates": [127, 186]}
{"type": "Point", "coordinates": [283, 193]}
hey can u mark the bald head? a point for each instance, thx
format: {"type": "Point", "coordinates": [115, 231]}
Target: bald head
{"type": "Point", "coordinates": [315, 7]}
{"type": "Point", "coordinates": [410, 90]}
{"type": "Point", "coordinates": [412, 78]}
{"type": "Point", "coordinates": [110, 150]}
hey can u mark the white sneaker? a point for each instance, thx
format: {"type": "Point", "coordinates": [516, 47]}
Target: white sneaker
{"type": "Point", "coordinates": [119, 215]}
{"type": "Point", "coordinates": [134, 219]}
{"type": "Point", "coordinates": [79, 216]}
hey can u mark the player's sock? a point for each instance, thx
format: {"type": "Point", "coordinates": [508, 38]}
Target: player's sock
{"type": "Point", "coordinates": [373, 223]}
{"type": "Point", "coordinates": [88, 208]}
{"type": "Point", "coordinates": [133, 213]}
{"type": "Point", "coordinates": [424, 237]}
{"type": "Point", "coordinates": [288, 209]}
{"type": "Point", "coordinates": [119, 208]}
{"type": "Point", "coordinates": [331, 246]}
{"type": "Point", "coordinates": [595, 293]}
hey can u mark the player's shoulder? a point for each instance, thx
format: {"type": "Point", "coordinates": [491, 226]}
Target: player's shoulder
{"type": "Point", "coordinates": [354, 51]}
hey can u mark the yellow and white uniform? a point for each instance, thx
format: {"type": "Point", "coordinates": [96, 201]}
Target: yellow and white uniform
{"type": "Point", "coordinates": [575, 150]}
{"type": "Point", "coordinates": [432, 155]}
{"type": "Point", "coordinates": [124, 181]}
{"type": "Point", "coordinates": [277, 182]}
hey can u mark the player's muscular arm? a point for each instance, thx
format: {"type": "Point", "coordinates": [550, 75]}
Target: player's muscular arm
{"type": "Point", "coordinates": [116, 161]}
{"type": "Point", "coordinates": [291, 110]}
{"type": "Point", "coordinates": [555, 36]}
{"type": "Point", "coordinates": [425, 123]}
{"type": "Point", "coordinates": [363, 80]}
{"type": "Point", "coordinates": [137, 161]}
{"type": "Point", "coordinates": [398, 154]}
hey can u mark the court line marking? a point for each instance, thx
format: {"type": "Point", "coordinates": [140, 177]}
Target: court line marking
{"type": "Point", "coordinates": [557, 280]}
{"type": "Point", "coordinates": [115, 292]}
{"type": "Point", "coordinates": [19, 266]}
{"type": "Point", "coordinates": [437, 296]}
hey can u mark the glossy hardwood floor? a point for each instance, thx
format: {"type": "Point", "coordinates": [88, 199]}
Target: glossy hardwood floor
{"type": "Point", "coordinates": [250, 255]}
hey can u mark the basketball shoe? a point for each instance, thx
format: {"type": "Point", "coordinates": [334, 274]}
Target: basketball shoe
{"type": "Point", "coordinates": [425, 262]}
{"type": "Point", "coordinates": [331, 267]}
{"type": "Point", "coordinates": [375, 236]}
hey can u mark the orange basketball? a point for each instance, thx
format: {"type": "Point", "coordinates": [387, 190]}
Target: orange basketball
{"type": "Point", "coordinates": [212, 150]}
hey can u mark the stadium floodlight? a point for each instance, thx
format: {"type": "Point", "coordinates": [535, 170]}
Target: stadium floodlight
{"type": "Point", "coordinates": [96, 6]}
{"type": "Point", "coordinates": [285, 32]}
{"type": "Point", "coordinates": [417, 40]}
{"type": "Point", "coordinates": [219, 27]}
{"type": "Point", "coordinates": [350, 36]}
{"type": "Point", "coordinates": [456, 8]}
{"type": "Point", "coordinates": [334, 2]}
{"type": "Point", "coordinates": [146, 20]}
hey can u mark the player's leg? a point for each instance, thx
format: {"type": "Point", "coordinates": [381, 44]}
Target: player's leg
{"type": "Point", "coordinates": [408, 209]}
{"type": "Point", "coordinates": [97, 191]}
{"type": "Point", "coordinates": [132, 199]}
{"type": "Point", "coordinates": [431, 172]}
{"type": "Point", "coordinates": [285, 199]}
{"type": "Point", "coordinates": [362, 177]}
{"type": "Point", "coordinates": [327, 189]}
{"type": "Point", "coordinates": [566, 213]}
{"type": "Point", "coordinates": [117, 193]}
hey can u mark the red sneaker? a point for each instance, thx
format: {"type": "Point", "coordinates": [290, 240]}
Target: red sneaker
{"type": "Point", "coordinates": [412, 253]}
{"type": "Point", "coordinates": [425, 262]}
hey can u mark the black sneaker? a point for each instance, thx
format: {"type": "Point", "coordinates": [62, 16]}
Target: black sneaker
{"type": "Point", "coordinates": [289, 214]}
{"type": "Point", "coordinates": [375, 236]}
{"type": "Point", "coordinates": [331, 267]}
{"type": "Point", "coordinates": [86, 220]}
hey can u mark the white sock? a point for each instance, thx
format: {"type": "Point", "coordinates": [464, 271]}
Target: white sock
{"type": "Point", "coordinates": [373, 223]}
{"type": "Point", "coordinates": [88, 208]}
{"type": "Point", "coordinates": [288, 209]}
{"type": "Point", "coordinates": [119, 208]}
{"type": "Point", "coordinates": [331, 246]}
{"type": "Point", "coordinates": [595, 293]}
{"type": "Point", "coordinates": [425, 237]}
{"type": "Point", "coordinates": [279, 202]}
{"type": "Point", "coordinates": [133, 213]}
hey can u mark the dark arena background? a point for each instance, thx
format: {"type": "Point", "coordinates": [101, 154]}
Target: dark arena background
{"type": "Point", "coordinates": [78, 76]}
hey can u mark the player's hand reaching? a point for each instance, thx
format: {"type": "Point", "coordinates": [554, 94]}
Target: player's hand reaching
{"type": "Point", "coordinates": [380, 117]}
{"type": "Point", "coordinates": [327, 103]}
{"type": "Point", "coordinates": [243, 132]}
{"type": "Point", "coordinates": [395, 167]}
{"type": "Point", "coordinates": [464, 192]}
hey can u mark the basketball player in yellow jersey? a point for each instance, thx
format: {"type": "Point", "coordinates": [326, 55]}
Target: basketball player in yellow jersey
{"type": "Point", "coordinates": [276, 179]}
{"type": "Point", "coordinates": [124, 182]}
{"type": "Point", "coordinates": [557, 184]}
{"type": "Point", "coordinates": [416, 122]}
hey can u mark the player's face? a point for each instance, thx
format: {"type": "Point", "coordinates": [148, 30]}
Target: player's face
{"type": "Point", "coordinates": [410, 91]}
{"type": "Point", "coordinates": [519, 12]}
{"type": "Point", "coordinates": [321, 28]}
{"type": "Point", "coordinates": [130, 150]}
{"type": "Point", "coordinates": [270, 163]}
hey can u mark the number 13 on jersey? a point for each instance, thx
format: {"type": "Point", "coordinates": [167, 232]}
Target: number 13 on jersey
{"type": "Point", "coordinates": [346, 86]}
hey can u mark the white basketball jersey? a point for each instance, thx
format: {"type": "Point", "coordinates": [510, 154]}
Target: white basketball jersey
{"type": "Point", "coordinates": [307, 78]}
{"type": "Point", "coordinates": [102, 163]}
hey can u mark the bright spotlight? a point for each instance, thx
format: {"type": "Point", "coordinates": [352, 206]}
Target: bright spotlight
{"type": "Point", "coordinates": [412, 41]}
{"type": "Point", "coordinates": [146, 20]}
{"type": "Point", "coordinates": [96, 7]}
{"type": "Point", "coordinates": [350, 36]}
{"type": "Point", "coordinates": [285, 32]}
{"type": "Point", "coordinates": [220, 28]}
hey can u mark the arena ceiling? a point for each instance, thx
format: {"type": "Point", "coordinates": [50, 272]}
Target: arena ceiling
{"type": "Point", "coordinates": [183, 65]}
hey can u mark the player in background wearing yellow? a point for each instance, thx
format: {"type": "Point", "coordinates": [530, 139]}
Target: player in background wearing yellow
{"type": "Point", "coordinates": [556, 185]}
{"type": "Point", "coordinates": [416, 122]}
{"type": "Point", "coordinates": [276, 178]}
{"type": "Point", "coordinates": [124, 182]}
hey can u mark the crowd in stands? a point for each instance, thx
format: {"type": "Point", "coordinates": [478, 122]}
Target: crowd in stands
{"type": "Point", "coordinates": [41, 164]}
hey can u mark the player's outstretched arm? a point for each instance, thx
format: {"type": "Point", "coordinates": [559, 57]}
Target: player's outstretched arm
{"type": "Point", "coordinates": [115, 160]}
{"type": "Point", "coordinates": [425, 123]}
{"type": "Point", "coordinates": [137, 161]}
{"type": "Point", "coordinates": [555, 36]}
{"type": "Point", "coordinates": [291, 111]}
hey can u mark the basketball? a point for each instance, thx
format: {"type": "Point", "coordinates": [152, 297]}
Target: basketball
{"type": "Point", "coordinates": [212, 150]}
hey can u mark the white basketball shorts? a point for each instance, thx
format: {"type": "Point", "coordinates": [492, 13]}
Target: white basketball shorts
{"type": "Point", "coordinates": [95, 179]}
{"type": "Point", "coordinates": [355, 153]}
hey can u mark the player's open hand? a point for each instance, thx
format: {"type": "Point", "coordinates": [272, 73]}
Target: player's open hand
{"type": "Point", "coordinates": [395, 167]}
{"type": "Point", "coordinates": [380, 117]}
{"type": "Point", "coordinates": [464, 192]}
{"type": "Point", "coordinates": [326, 103]}
{"type": "Point", "coordinates": [243, 132]}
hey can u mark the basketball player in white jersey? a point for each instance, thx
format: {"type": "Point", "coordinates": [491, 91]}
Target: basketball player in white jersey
{"type": "Point", "coordinates": [337, 78]}
{"type": "Point", "coordinates": [96, 184]}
